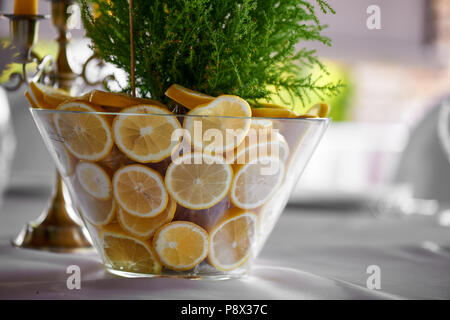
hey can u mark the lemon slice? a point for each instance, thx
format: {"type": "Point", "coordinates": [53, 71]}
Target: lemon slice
{"type": "Point", "coordinates": [232, 241]}
{"type": "Point", "coordinates": [118, 99]}
{"type": "Point", "coordinates": [218, 126]}
{"type": "Point", "coordinates": [126, 253]}
{"type": "Point", "coordinates": [198, 181]}
{"type": "Point", "coordinates": [319, 110]}
{"type": "Point", "coordinates": [140, 190]}
{"type": "Point", "coordinates": [31, 100]}
{"type": "Point", "coordinates": [261, 124]}
{"type": "Point", "coordinates": [49, 97]}
{"type": "Point", "coordinates": [97, 212]}
{"type": "Point", "coordinates": [187, 97]}
{"type": "Point", "coordinates": [94, 180]}
{"type": "Point", "coordinates": [181, 245]}
{"type": "Point", "coordinates": [271, 105]}
{"type": "Point", "coordinates": [85, 133]}
{"type": "Point", "coordinates": [146, 227]}
{"type": "Point", "coordinates": [273, 144]}
{"type": "Point", "coordinates": [273, 113]}
{"type": "Point", "coordinates": [255, 182]}
{"type": "Point", "coordinates": [144, 137]}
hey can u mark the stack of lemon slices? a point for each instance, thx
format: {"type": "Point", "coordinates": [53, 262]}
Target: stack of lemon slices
{"type": "Point", "coordinates": [132, 165]}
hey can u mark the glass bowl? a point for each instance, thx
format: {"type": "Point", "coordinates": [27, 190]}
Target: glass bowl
{"type": "Point", "coordinates": [178, 195]}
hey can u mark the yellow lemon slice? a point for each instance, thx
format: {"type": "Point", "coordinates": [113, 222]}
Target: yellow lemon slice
{"type": "Point", "coordinates": [259, 124]}
{"type": "Point", "coordinates": [126, 253]}
{"type": "Point", "coordinates": [97, 212]}
{"type": "Point", "coordinates": [273, 113]}
{"type": "Point", "coordinates": [85, 132]}
{"type": "Point", "coordinates": [255, 182]}
{"type": "Point", "coordinates": [140, 190]}
{"type": "Point", "coordinates": [31, 100]}
{"type": "Point", "coordinates": [219, 126]}
{"type": "Point", "coordinates": [181, 245]}
{"type": "Point", "coordinates": [49, 97]}
{"type": "Point", "coordinates": [319, 110]}
{"type": "Point", "coordinates": [232, 241]}
{"type": "Point", "coordinates": [117, 99]}
{"type": "Point", "coordinates": [94, 180]}
{"type": "Point", "coordinates": [272, 144]}
{"type": "Point", "coordinates": [198, 181]}
{"type": "Point", "coordinates": [145, 137]}
{"type": "Point", "coordinates": [146, 227]}
{"type": "Point", "coordinates": [187, 97]}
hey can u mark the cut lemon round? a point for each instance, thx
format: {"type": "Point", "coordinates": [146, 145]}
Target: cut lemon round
{"type": "Point", "coordinates": [274, 113]}
{"type": "Point", "coordinates": [144, 137]}
{"type": "Point", "coordinates": [181, 245]}
{"type": "Point", "coordinates": [319, 110]}
{"type": "Point", "coordinates": [94, 180]}
{"type": "Point", "coordinates": [85, 133]}
{"type": "Point", "coordinates": [146, 227]}
{"type": "Point", "coordinates": [225, 121]}
{"type": "Point", "coordinates": [140, 190]}
{"type": "Point", "coordinates": [198, 181]}
{"type": "Point", "coordinates": [97, 212]}
{"type": "Point", "coordinates": [187, 97]}
{"type": "Point", "coordinates": [117, 99]}
{"type": "Point", "coordinates": [255, 182]}
{"type": "Point", "coordinates": [232, 241]}
{"type": "Point", "coordinates": [49, 97]}
{"type": "Point", "coordinates": [277, 147]}
{"type": "Point", "coordinates": [259, 124]}
{"type": "Point", "coordinates": [260, 143]}
{"type": "Point", "coordinates": [126, 253]}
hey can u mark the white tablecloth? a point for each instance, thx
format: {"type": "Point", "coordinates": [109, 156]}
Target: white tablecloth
{"type": "Point", "coordinates": [310, 255]}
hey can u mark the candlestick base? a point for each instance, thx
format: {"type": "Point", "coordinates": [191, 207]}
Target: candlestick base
{"type": "Point", "coordinates": [54, 230]}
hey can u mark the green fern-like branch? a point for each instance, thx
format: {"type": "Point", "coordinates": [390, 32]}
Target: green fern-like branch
{"type": "Point", "coordinates": [241, 47]}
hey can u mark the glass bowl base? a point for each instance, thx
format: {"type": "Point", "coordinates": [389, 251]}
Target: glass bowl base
{"type": "Point", "coordinates": [177, 275]}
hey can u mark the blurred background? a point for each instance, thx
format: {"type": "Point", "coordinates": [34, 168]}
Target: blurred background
{"type": "Point", "coordinates": [383, 148]}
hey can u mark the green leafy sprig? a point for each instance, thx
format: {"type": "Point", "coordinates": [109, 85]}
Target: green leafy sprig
{"type": "Point", "coordinates": [241, 47]}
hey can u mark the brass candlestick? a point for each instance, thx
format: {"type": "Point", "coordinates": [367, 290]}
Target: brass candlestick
{"type": "Point", "coordinates": [24, 31]}
{"type": "Point", "coordinates": [54, 230]}
{"type": "Point", "coordinates": [60, 15]}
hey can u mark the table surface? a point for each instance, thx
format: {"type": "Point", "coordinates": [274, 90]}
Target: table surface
{"type": "Point", "coordinates": [311, 254]}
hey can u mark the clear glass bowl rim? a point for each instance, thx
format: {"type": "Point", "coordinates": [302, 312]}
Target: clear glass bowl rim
{"type": "Point", "coordinates": [53, 111]}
